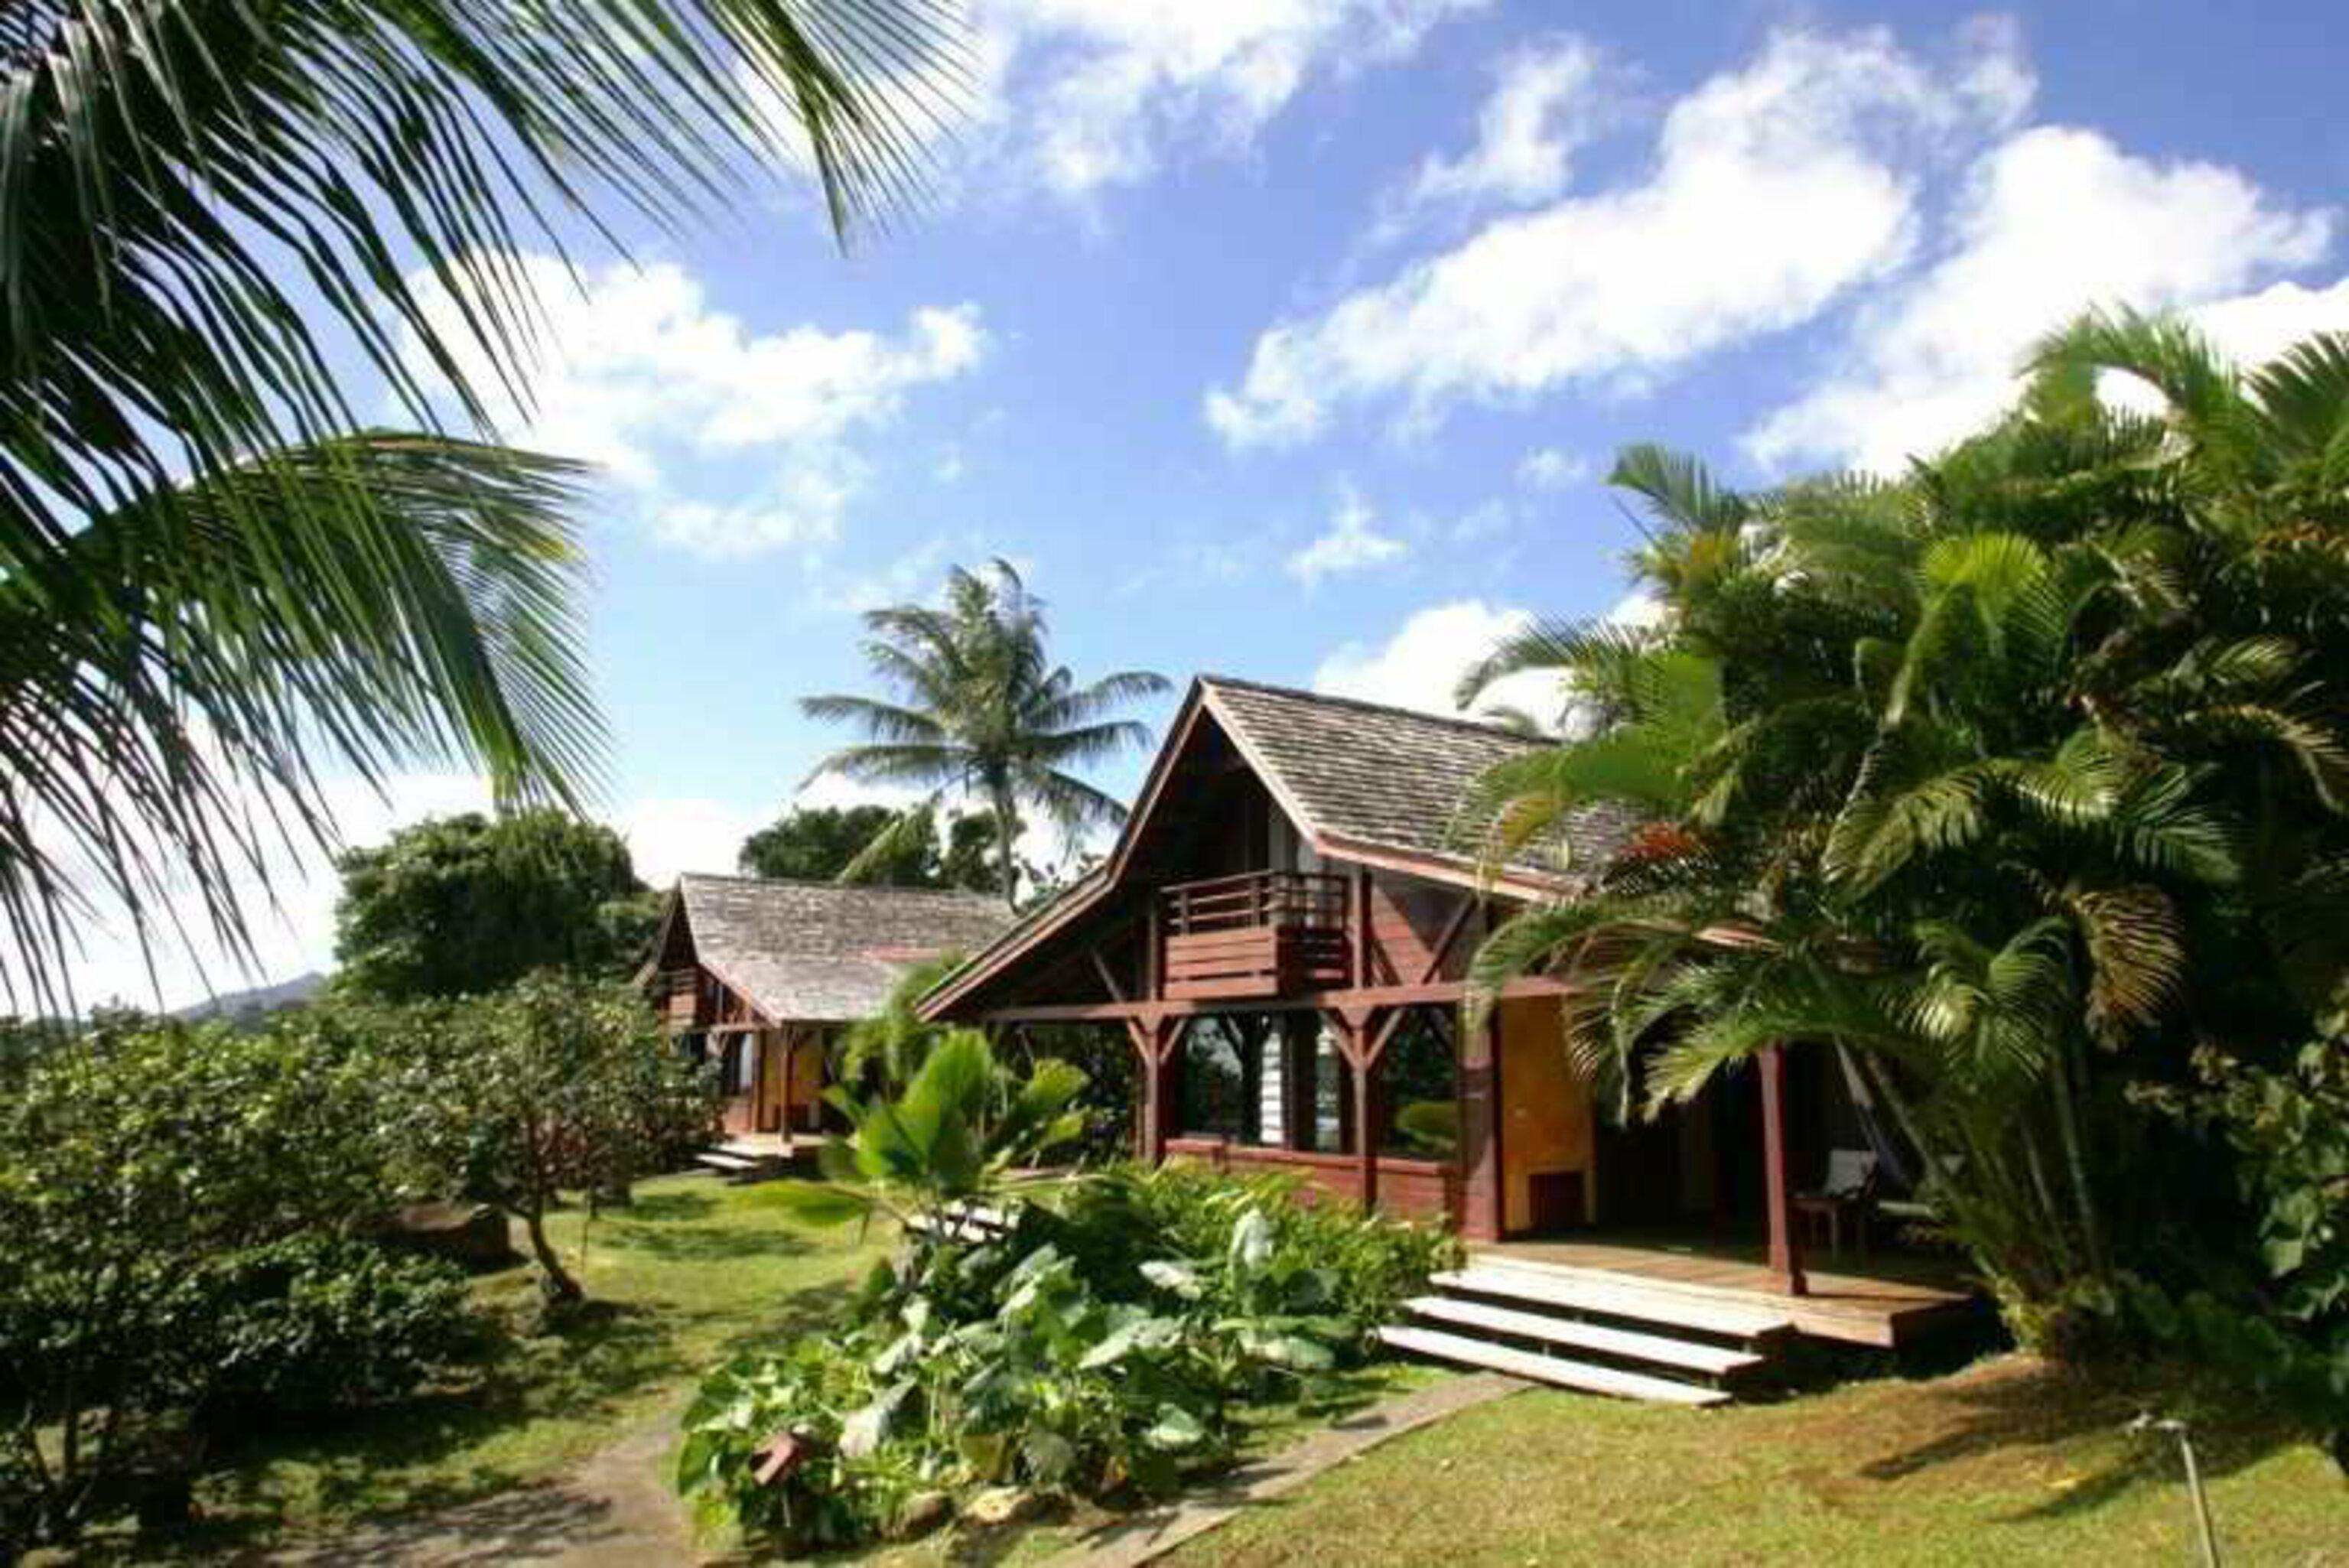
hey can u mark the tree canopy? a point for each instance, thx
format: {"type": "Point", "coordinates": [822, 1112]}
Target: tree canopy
{"type": "Point", "coordinates": [877, 844]}
{"type": "Point", "coordinates": [458, 906]}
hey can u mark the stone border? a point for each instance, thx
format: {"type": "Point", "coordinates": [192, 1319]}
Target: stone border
{"type": "Point", "coordinates": [1148, 1536]}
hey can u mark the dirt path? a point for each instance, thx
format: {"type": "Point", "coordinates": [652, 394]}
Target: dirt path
{"type": "Point", "coordinates": [614, 1511]}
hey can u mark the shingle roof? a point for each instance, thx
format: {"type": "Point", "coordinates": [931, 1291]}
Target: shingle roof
{"type": "Point", "coordinates": [1363, 776]}
{"type": "Point", "coordinates": [821, 951]}
{"type": "Point", "coordinates": [1390, 777]}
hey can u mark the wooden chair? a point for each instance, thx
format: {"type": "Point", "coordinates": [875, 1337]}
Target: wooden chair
{"type": "Point", "coordinates": [1848, 1193]}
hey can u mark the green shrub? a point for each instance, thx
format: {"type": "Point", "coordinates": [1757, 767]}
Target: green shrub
{"type": "Point", "coordinates": [2282, 1327]}
{"type": "Point", "coordinates": [317, 1323]}
{"type": "Point", "coordinates": [1130, 1213]}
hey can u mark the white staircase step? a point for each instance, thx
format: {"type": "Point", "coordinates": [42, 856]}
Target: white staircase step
{"type": "Point", "coordinates": [1611, 1298]}
{"type": "Point", "coordinates": [1686, 1355]}
{"type": "Point", "coordinates": [1555, 1369]}
{"type": "Point", "coordinates": [729, 1163]}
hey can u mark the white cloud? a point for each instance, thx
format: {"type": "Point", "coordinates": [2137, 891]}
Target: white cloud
{"type": "Point", "coordinates": [2053, 221]}
{"type": "Point", "coordinates": [1484, 521]}
{"type": "Point", "coordinates": [1091, 94]}
{"type": "Point", "coordinates": [1422, 663]}
{"type": "Point", "coordinates": [1351, 544]}
{"type": "Point", "coordinates": [1776, 189]}
{"type": "Point", "coordinates": [2254, 327]}
{"type": "Point", "coordinates": [640, 374]}
{"type": "Point", "coordinates": [1552, 468]}
{"type": "Point", "coordinates": [1543, 108]}
{"type": "Point", "coordinates": [684, 834]}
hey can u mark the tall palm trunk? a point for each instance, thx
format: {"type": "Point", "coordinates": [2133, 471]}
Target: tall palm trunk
{"type": "Point", "coordinates": [1007, 827]}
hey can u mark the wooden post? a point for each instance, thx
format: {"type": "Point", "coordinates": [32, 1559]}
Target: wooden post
{"type": "Point", "coordinates": [1146, 1113]}
{"type": "Point", "coordinates": [1785, 1246]}
{"type": "Point", "coordinates": [1358, 923]}
{"type": "Point", "coordinates": [1301, 1041]}
{"type": "Point", "coordinates": [1354, 1044]}
{"type": "Point", "coordinates": [1154, 955]}
{"type": "Point", "coordinates": [1480, 1130]}
{"type": "Point", "coordinates": [790, 1052]}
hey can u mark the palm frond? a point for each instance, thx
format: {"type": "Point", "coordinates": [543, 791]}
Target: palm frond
{"type": "Point", "coordinates": [883, 721]}
{"type": "Point", "coordinates": [405, 597]}
{"type": "Point", "coordinates": [1679, 490]}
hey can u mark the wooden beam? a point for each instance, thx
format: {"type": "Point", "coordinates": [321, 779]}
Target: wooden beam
{"type": "Point", "coordinates": [1381, 997]}
{"type": "Point", "coordinates": [1785, 1246]}
{"type": "Point", "coordinates": [1429, 972]}
{"type": "Point", "coordinates": [1107, 976]}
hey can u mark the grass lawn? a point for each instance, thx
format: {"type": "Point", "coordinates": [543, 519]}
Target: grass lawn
{"type": "Point", "coordinates": [2005, 1462]}
{"type": "Point", "coordinates": [690, 1274]}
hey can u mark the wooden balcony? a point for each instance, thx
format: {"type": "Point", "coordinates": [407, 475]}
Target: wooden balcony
{"type": "Point", "coordinates": [1258, 933]}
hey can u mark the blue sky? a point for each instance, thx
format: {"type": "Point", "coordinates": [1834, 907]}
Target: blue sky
{"type": "Point", "coordinates": [1292, 340]}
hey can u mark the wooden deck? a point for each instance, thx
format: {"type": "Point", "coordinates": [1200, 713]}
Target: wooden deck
{"type": "Point", "coordinates": [1887, 1299]}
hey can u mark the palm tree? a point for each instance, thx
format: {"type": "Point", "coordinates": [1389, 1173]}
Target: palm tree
{"type": "Point", "coordinates": [1979, 778]}
{"type": "Point", "coordinates": [211, 579]}
{"type": "Point", "coordinates": [984, 711]}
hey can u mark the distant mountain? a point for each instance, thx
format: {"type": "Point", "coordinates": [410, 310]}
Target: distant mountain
{"type": "Point", "coordinates": [259, 1002]}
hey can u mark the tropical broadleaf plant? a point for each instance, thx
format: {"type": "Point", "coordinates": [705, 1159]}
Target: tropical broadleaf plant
{"type": "Point", "coordinates": [957, 1137]}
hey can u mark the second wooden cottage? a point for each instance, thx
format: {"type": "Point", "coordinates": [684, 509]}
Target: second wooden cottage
{"type": "Point", "coordinates": [761, 975]}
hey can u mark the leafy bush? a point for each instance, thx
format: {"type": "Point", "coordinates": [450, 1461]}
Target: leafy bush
{"type": "Point", "coordinates": [2284, 1330]}
{"type": "Point", "coordinates": [556, 1085]}
{"type": "Point", "coordinates": [1099, 1345]}
{"type": "Point", "coordinates": [172, 1204]}
{"type": "Point", "coordinates": [1119, 1217]}
{"type": "Point", "coordinates": [316, 1323]}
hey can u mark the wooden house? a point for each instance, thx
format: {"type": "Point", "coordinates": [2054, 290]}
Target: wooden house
{"type": "Point", "coordinates": [1283, 930]}
{"type": "Point", "coordinates": [761, 975]}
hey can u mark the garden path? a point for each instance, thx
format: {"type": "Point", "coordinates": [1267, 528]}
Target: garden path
{"type": "Point", "coordinates": [612, 1511]}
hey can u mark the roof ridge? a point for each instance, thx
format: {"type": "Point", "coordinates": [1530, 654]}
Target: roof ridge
{"type": "Point", "coordinates": [827, 885]}
{"type": "Point", "coordinates": [1332, 699]}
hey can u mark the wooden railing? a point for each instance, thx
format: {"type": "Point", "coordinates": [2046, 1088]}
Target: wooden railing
{"type": "Point", "coordinates": [1258, 933]}
{"type": "Point", "coordinates": [1252, 898]}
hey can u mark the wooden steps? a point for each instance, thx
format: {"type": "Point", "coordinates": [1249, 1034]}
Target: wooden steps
{"type": "Point", "coordinates": [741, 1160]}
{"type": "Point", "coordinates": [1610, 1295]}
{"type": "Point", "coordinates": [1593, 1331]}
{"type": "Point", "coordinates": [1588, 1376]}
{"type": "Point", "coordinates": [1630, 1345]}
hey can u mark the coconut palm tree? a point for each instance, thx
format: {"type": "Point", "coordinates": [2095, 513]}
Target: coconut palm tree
{"type": "Point", "coordinates": [984, 711]}
{"type": "Point", "coordinates": [212, 580]}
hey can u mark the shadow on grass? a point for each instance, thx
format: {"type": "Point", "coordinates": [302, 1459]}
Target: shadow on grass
{"type": "Point", "coordinates": [702, 1244]}
{"type": "Point", "coordinates": [402, 1460]}
{"type": "Point", "coordinates": [2039, 1407]}
{"type": "Point", "coordinates": [666, 1208]}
